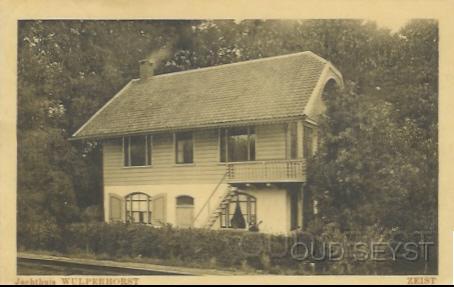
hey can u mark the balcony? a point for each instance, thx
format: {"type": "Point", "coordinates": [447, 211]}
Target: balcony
{"type": "Point", "coordinates": [266, 171]}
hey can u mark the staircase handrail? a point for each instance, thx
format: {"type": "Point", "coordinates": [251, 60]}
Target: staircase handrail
{"type": "Point", "coordinates": [211, 196]}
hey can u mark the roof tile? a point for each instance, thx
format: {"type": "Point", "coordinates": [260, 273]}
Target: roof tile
{"type": "Point", "coordinates": [267, 88]}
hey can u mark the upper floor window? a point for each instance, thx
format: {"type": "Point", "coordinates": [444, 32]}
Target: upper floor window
{"type": "Point", "coordinates": [184, 147]}
{"type": "Point", "coordinates": [308, 142]}
{"type": "Point", "coordinates": [292, 151]}
{"type": "Point", "coordinates": [138, 208]}
{"type": "Point", "coordinates": [237, 144]}
{"type": "Point", "coordinates": [137, 150]}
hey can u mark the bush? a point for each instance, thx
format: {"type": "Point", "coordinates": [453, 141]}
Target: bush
{"type": "Point", "coordinates": [45, 235]}
{"type": "Point", "coordinates": [92, 214]}
{"type": "Point", "coordinates": [246, 251]}
{"type": "Point", "coordinates": [191, 247]}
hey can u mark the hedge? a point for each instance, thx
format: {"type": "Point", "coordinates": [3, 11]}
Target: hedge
{"type": "Point", "coordinates": [189, 247]}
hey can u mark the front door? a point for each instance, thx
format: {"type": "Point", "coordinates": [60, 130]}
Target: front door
{"type": "Point", "coordinates": [185, 216]}
{"type": "Point", "coordinates": [185, 211]}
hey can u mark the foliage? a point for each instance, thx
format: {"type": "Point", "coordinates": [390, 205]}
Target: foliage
{"type": "Point", "coordinates": [378, 164]}
{"type": "Point", "coordinates": [66, 71]}
{"type": "Point", "coordinates": [225, 249]}
{"type": "Point", "coordinates": [189, 247]}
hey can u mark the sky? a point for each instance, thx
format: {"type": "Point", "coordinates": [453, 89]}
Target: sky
{"type": "Point", "coordinates": [392, 23]}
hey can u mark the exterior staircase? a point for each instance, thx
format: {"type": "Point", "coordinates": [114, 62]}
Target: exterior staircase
{"type": "Point", "coordinates": [219, 197]}
{"type": "Point", "coordinates": [222, 201]}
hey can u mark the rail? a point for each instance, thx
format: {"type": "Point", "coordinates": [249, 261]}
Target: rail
{"type": "Point", "coordinates": [266, 171]}
{"type": "Point", "coordinates": [210, 197]}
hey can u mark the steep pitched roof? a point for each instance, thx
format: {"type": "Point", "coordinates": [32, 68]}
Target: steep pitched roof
{"type": "Point", "coordinates": [256, 90]}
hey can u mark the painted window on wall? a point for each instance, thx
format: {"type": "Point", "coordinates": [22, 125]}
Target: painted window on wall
{"type": "Point", "coordinates": [137, 150]}
{"type": "Point", "coordinates": [138, 208]}
{"type": "Point", "coordinates": [240, 212]}
{"type": "Point", "coordinates": [237, 144]}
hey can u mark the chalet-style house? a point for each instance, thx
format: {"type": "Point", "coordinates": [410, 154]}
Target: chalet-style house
{"type": "Point", "coordinates": [222, 147]}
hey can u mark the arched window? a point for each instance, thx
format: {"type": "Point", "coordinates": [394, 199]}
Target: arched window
{"type": "Point", "coordinates": [329, 89]}
{"type": "Point", "coordinates": [239, 211]}
{"type": "Point", "coordinates": [138, 208]}
{"type": "Point", "coordinates": [185, 211]}
{"type": "Point", "coordinates": [185, 200]}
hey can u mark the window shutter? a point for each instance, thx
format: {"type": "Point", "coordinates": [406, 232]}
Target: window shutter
{"type": "Point", "coordinates": [116, 207]}
{"type": "Point", "coordinates": [158, 215]}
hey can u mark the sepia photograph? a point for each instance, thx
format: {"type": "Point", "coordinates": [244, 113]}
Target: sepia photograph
{"type": "Point", "coordinates": [227, 147]}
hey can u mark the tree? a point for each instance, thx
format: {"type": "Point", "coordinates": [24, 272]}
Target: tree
{"type": "Point", "coordinates": [66, 71]}
{"type": "Point", "coordinates": [377, 165]}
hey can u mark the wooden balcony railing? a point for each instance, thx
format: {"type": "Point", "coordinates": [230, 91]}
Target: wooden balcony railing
{"type": "Point", "coordinates": [266, 171]}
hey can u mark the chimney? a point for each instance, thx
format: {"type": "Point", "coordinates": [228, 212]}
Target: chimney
{"type": "Point", "coordinates": [146, 68]}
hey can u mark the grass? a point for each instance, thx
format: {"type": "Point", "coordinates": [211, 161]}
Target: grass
{"type": "Point", "coordinates": [35, 269]}
{"type": "Point", "coordinates": [244, 269]}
